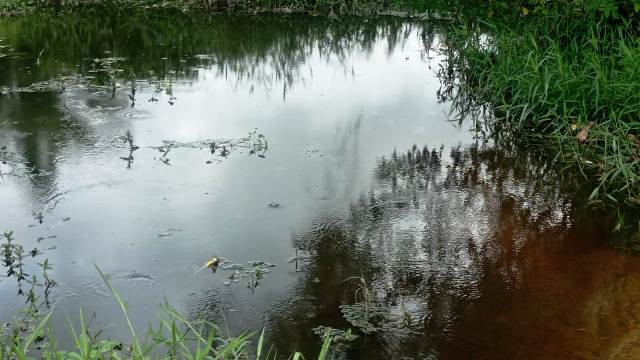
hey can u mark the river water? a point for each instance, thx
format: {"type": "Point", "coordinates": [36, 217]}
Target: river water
{"type": "Point", "coordinates": [319, 160]}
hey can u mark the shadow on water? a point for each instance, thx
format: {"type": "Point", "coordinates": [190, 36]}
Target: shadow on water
{"type": "Point", "coordinates": [475, 253]}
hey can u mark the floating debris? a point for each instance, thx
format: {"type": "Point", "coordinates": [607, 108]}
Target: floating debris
{"type": "Point", "coordinates": [234, 267]}
{"type": "Point", "coordinates": [211, 263]}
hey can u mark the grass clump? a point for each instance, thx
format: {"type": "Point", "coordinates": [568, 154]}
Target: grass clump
{"type": "Point", "coordinates": [568, 82]}
{"type": "Point", "coordinates": [175, 337]}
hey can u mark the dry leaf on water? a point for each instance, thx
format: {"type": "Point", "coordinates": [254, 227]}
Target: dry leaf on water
{"type": "Point", "coordinates": [584, 132]}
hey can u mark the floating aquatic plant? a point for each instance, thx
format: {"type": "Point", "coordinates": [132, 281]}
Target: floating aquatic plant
{"type": "Point", "coordinates": [13, 259]}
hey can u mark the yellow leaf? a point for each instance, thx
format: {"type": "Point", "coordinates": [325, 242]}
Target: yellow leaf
{"type": "Point", "coordinates": [213, 262]}
{"type": "Point", "coordinates": [525, 11]}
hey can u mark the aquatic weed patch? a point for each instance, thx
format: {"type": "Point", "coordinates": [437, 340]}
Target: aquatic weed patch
{"type": "Point", "coordinates": [16, 260]}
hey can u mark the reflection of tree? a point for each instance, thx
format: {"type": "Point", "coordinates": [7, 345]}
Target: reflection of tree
{"type": "Point", "coordinates": [255, 49]}
{"type": "Point", "coordinates": [118, 55]}
{"type": "Point", "coordinates": [452, 249]}
{"type": "Point", "coordinates": [34, 133]}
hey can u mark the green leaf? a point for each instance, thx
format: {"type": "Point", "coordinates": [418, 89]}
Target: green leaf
{"type": "Point", "coordinates": [325, 345]}
{"type": "Point", "coordinates": [38, 330]}
{"type": "Point", "coordinates": [260, 341]}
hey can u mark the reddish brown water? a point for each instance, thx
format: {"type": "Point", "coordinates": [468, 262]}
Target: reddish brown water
{"type": "Point", "coordinates": [562, 294]}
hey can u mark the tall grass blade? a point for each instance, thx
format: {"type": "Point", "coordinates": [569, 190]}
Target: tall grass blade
{"type": "Point", "coordinates": [123, 307]}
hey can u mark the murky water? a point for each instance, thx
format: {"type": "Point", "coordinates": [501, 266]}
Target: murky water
{"type": "Point", "coordinates": [317, 159]}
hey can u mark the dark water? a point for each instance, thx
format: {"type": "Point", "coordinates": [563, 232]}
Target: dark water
{"type": "Point", "coordinates": [334, 160]}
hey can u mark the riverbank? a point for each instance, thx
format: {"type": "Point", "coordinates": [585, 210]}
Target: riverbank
{"type": "Point", "coordinates": [566, 80]}
{"type": "Point", "coordinates": [315, 7]}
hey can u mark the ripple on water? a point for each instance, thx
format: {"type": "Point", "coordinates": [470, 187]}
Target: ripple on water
{"type": "Point", "coordinates": [132, 114]}
{"type": "Point", "coordinates": [130, 278]}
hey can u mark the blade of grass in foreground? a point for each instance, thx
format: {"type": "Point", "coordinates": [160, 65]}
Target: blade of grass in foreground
{"type": "Point", "coordinates": [123, 307]}
{"type": "Point", "coordinates": [325, 345]}
{"type": "Point", "coordinates": [259, 350]}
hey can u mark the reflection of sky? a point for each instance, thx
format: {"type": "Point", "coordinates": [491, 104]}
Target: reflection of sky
{"type": "Point", "coordinates": [323, 142]}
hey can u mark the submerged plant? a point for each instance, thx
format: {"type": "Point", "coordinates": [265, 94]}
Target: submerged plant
{"type": "Point", "coordinates": [128, 139]}
{"type": "Point", "coordinates": [13, 260]}
{"type": "Point", "coordinates": [257, 144]}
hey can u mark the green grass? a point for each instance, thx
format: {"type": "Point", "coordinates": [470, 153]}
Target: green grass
{"type": "Point", "coordinates": [175, 337]}
{"type": "Point", "coordinates": [324, 7]}
{"type": "Point", "coordinates": [554, 79]}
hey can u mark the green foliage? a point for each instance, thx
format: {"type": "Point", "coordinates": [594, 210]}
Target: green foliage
{"type": "Point", "coordinates": [326, 7]}
{"type": "Point", "coordinates": [175, 337]}
{"type": "Point", "coordinates": [613, 9]}
{"type": "Point", "coordinates": [600, 9]}
{"type": "Point", "coordinates": [570, 83]}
